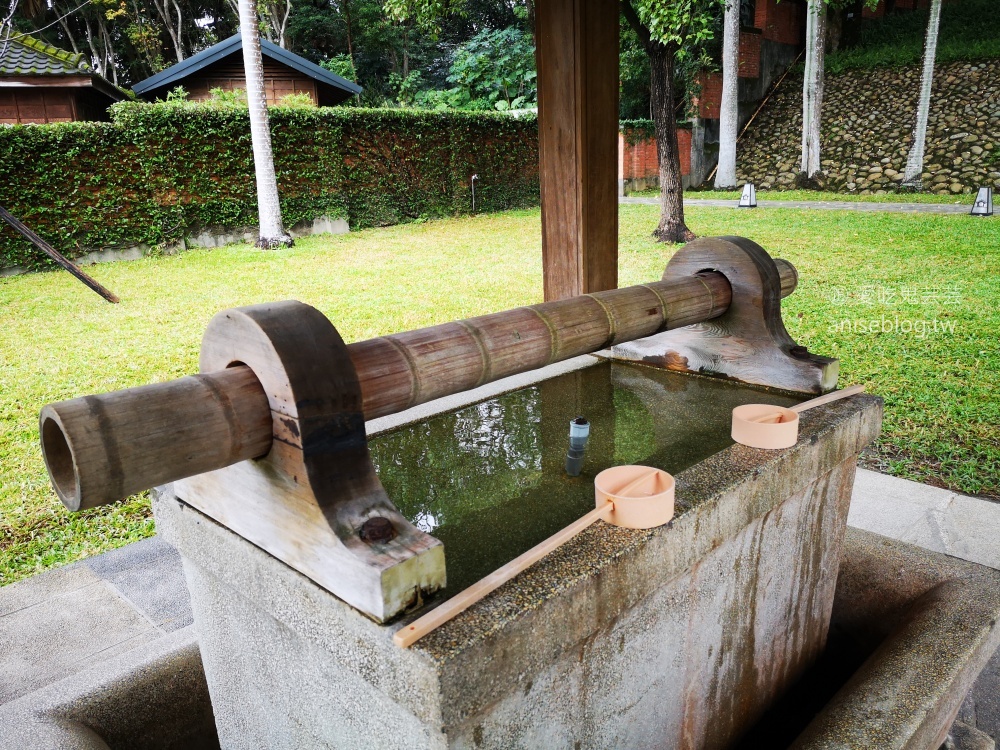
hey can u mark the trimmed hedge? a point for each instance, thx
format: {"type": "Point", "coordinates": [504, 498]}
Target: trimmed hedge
{"type": "Point", "coordinates": [636, 131]}
{"type": "Point", "coordinates": [159, 172]}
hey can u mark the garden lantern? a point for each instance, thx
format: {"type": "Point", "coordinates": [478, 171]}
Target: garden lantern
{"type": "Point", "coordinates": [984, 203]}
{"type": "Point", "coordinates": [749, 197]}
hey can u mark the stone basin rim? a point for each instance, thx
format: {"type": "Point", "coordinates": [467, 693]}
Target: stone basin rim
{"type": "Point", "coordinates": [708, 480]}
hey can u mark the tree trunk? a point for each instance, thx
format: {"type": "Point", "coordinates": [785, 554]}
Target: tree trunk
{"type": "Point", "coordinates": [272, 233]}
{"type": "Point", "coordinates": [68, 33]}
{"type": "Point", "coordinates": [915, 160]}
{"type": "Point", "coordinates": [812, 89]}
{"type": "Point", "coordinates": [179, 40]}
{"type": "Point", "coordinates": [834, 30]}
{"type": "Point", "coordinates": [725, 176]}
{"type": "Point", "coordinates": [278, 13]}
{"type": "Point", "coordinates": [109, 54]}
{"type": "Point", "coordinates": [94, 57]}
{"type": "Point", "coordinates": [406, 50]}
{"type": "Point", "coordinates": [350, 45]}
{"type": "Point", "coordinates": [163, 10]}
{"type": "Point", "coordinates": [661, 63]}
{"type": "Point", "coordinates": [350, 35]}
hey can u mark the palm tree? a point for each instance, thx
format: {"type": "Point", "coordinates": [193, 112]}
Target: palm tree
{"type": "Point", "coordinates": [272, 232]}
{"type": "Point", "coordinates": [725, 176]}
{"type": "Point", "coordinates": [915, 160]}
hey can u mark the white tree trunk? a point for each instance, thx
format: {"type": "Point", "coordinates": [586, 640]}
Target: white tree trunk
{"type": "Point", "coordinates": [163, 9]}
{"type": "Point", "coordinates": [915, 160]}
{"type": "Point", "coordinates": [725, 176]}
{"type": "Point", "coordinates": [279, 13]}
{"type": "Point", "coordinates": [812, 86]}
{"type": "Point", "coordinates": [272, 233]}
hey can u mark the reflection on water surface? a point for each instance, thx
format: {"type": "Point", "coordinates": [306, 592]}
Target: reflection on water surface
{"type": "Point", "coordinates": [489, 480]}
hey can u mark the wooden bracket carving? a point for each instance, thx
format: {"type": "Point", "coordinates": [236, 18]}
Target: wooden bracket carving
{"type": "Point", "coordinates": [749, 341]}
{"type": "Point", "coordinates": [307, 499]}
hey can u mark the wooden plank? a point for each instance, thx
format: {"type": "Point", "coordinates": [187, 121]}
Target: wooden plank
{"type": "Point", "coordinates": [577, 60]}
{"type": "Point", "coordinates": [58, 257]}
{"type": "Point", "coordinates": [80, 81]}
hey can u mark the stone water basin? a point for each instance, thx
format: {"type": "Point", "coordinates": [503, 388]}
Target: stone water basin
{"type": "Point", "coordinates": [678, 637]}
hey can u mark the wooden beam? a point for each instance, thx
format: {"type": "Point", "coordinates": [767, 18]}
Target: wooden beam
{"type": "Point", "coordinates": [38, 81]}
{"type": "Point", "coordinates": [58, 257]}
{"type": "Point", "coordinates": [577, 59]}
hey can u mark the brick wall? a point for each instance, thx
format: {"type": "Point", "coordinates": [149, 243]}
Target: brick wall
{"type": "Point", "coordinates": [779, 22]}
{"type": "Point", "coordinates": [684, 144]}
{"type": "Point", "coordinates": [709, 101]}
{"type": "Point", "coordinates": [638, 160]}
{"type": "Point", "coordinates": [750, 53]}
{"type": "Point", "coordinates": [878, 12]}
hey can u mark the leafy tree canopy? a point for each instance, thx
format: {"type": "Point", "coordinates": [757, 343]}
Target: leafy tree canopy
{"type": "Point", "coordinates": [678, 24]}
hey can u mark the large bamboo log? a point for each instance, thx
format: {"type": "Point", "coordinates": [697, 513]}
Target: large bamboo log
{"type": "Point", "coordinates": [101, 449]}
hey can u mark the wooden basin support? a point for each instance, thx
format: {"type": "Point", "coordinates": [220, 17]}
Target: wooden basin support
{"type": "Point", "coordinates": [749, 342]}
{"type": "Point", "coordinates": [270, 439]}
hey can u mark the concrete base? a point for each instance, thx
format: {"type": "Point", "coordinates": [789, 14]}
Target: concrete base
{"type": "Point", "coordinates": [66, 620]}
{"type": "Point", "coordinates": [154, 697]}
{"type": "Point", "coordinates": [933, 623]}
{"type": "Point", "coordinates": [679, 636]}
{"type": "Point", "coordinates": [102, 705]}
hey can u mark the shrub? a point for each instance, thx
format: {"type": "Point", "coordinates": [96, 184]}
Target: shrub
{"type": "Point", "coordinates": [159, 172]}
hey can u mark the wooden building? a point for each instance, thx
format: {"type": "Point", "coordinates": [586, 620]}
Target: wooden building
{"type": "Point", "coordinates": [40, 83]}
{"type": "Point", "coordinates": [221, 66]}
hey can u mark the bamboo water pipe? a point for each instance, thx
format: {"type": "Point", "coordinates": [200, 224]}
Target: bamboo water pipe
{"type": "Point", "coordinates": [101, 449]}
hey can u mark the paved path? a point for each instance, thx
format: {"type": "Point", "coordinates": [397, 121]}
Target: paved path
{"type": "Point", "coordinates": [57, 623]}
{"type": "Point", "coordinates": [902, 208]}
{"type": "Point", "coordinates": [929, 517]}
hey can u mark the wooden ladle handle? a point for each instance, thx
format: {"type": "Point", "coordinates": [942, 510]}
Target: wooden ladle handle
{"type": "Point", "coordinates": [832, 396]}
{"type": "Point", "coordinates": [410, 634]}
{"type": "Point", "coordinates": [775, 417]}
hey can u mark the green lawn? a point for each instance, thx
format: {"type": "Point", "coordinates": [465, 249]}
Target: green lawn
{"type": "Point", "coordinates": [819, 195]}
{"type": "Point", "coordinates": [60, 340]}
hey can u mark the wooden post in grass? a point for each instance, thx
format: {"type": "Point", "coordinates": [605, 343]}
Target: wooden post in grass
{"type": "Point", "coordinates": [577, 59]}
{"type": "Point", "coordinates": [58, 257]}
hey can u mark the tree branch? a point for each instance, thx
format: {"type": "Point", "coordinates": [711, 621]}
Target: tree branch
{"type": "Point", "coordinates": [636, 23]}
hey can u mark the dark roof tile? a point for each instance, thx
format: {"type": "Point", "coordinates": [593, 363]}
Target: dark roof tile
{"type": "Point", "coordinates": [232, 46]}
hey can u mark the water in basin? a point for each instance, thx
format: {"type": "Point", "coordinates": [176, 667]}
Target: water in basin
{"type": "Point", "coordinates": [489, 480]}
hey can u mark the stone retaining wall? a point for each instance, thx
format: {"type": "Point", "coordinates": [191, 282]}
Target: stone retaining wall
{"type": "Point", "coordinates": [868, 120]}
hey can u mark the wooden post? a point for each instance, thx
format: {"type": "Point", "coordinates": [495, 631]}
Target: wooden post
{"type": "Point", "coordinates": [577, 59]}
